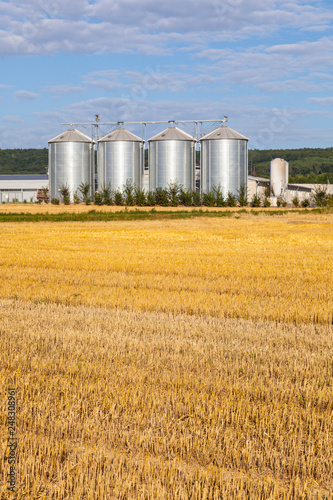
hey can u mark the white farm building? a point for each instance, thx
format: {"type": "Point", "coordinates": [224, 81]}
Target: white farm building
{"type": "Point", "coordinates": [20, 188]}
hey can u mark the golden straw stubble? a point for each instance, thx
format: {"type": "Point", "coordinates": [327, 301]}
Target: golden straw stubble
{"type": "Point", "coordinates": [276, 269]}
{"type": "Point", "coordinates": [135, 405]}
{"type": "Point", "coordinates": [183, 359]}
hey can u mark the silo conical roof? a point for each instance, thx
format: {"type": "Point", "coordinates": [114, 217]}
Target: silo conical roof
{"type": "Point", "coordinates": [71, 135]}
{"type": "Point", "coordinates": [172, 134]}
{"type": "Point", "coordinates": [223, 133]}
{"type": "Point", "coordinates": [121, 134]}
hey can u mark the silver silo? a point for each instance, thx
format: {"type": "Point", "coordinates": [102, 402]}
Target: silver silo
{"type": "Point", "coordinates": [71, 162]}
{"type": "Point", "coordinates": [171, 159]}
{"type": "Point", "coordinates": [224, 160]}
{"type": "Point", "coordinates": [279, 175]}
{"type": "Point", "coordinates": [119, 158]}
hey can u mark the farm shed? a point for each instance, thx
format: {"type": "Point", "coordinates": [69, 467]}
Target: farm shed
{"type": "Point", "coordinates": [21, 188]}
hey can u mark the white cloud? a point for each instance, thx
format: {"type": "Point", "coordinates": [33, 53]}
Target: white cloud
{"type": "Point", "coordinates": [322, 101]}
{"type": "Point", "coordinates": [50, 36]}
{"type": "Point", "coordinates": [301, 84]}
{"type": "Point", "coordinates": [12, 119]}
{"type": "Point", "coordinates": [298, 67]}
{"type": "Point", "coordinates": [141, 84]}
{"type": "Point", "coordinates": [212, 15]}
{"type": "Point", "coordinates": [25, 94]}
{"type": "Point", "coordinates": [63, 89]}
{"type": "Point", "coordinates": [104, 26]}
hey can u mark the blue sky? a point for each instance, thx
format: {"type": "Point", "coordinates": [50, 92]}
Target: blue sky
{"type": "Point", "coordinates": [266, 64]}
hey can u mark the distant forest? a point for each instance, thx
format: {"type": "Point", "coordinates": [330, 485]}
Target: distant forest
{"type": "Point", "coordinates": [307, 165]}
{"type": "Point", "coordinates": [23, 161]}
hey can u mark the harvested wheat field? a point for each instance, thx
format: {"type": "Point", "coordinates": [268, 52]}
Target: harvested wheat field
{"type": "Point", "coordinates": [175, 359]}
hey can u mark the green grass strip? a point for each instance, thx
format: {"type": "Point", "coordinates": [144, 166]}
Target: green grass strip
{"type": "Point", "coordinates": [127, 215]}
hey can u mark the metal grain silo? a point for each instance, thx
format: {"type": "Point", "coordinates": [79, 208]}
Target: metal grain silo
{"type": "Point", "coordinates": [224, 160]}
{"type": "Point", "coordinates": [71, 162]}
{"type": "Point", "coordinates": [119, 158]}
{"type": "Point", "coordinates": [171, 159]}
{"type": "Point", "coordinates": [279, 175]}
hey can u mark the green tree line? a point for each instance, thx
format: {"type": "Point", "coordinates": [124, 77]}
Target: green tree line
{"type": "Point", "coordinates": [23, 161]}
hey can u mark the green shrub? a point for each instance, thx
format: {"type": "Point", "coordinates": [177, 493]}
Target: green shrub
{"type": "Point", "coordinates": [231, 199]}
{"type": "Point", "coordinates": [208, 199]}
{"type": "Point", "coordinates": [84, 189]}
{"type": "Point", "coordinates": [76, 197]}
{"type": "Point", "coordinates": [65, 193]}
{"type": "Point", "coordinates": [256, 201]}
{"type": "Point", "coordinates": [106, 194]}
{"type": "Point", "coordinates": [218, 196]}
{"type": "Point", "coordinates": [305, 203]}
{"type": "Point", "coordinates": [151, 199]}
{"type": "Point", "coordinates": [320, 196]}
{"type": "Point", "coordinates": [242, 195]}
{"type": "Point", "coordinates": [173, 190]}
{"type": "Point", "coordinates": [55, 201]}
{"type": "Point", "coordinates": [281, 202]}
{"type": "Point", "coordinates": [140, 197]}
{"type": "Point", "coordinates": [295, 201]}
{"type": "Point", "coordinates": [330, 200]}
{"type": "Point", "coordinates": [185, 197]}
{"type": "Point", "coordinates": [118, 198]}
{"type": "Point", "coordinates": [128, 192]}
{"type": "Point", "coordinates": [196, 199]}
{"type": "Point", "coordinates": [161, 197]}
{"type": "Point", "coordinates": [98, 198]}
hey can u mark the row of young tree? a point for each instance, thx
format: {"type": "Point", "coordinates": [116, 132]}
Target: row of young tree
{"type": "Point", "coordinates": [175, 195]}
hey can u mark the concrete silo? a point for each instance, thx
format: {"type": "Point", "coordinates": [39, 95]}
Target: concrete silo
{"type": "Point", "coordinates": [224, 160]}
{"type": "Point", "coordinates": [279, 175]}
{"type": "Point", "coordinates": [120, 157]}
{"type": "Point", "coordinates": [171, 159]}
{"type": "Point", "coordinates": [71, 162]}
